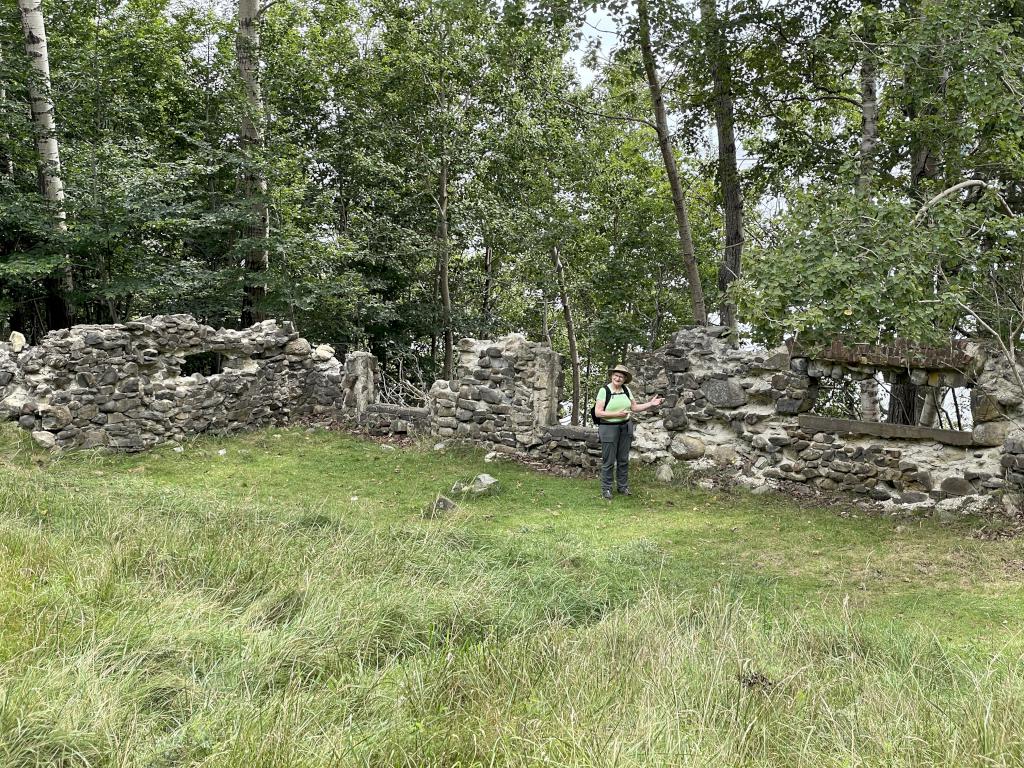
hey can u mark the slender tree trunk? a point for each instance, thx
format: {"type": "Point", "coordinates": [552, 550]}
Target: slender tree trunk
{"type": "Point", "coordinates": [868, 100]}
{"type": "Point", "coordinates": [6, 161]}
{"type": "Point", "coordinates": [925, 161]}
{"type": "Point", "coordinates": [903, 400]}
{"type": "Point", "coordinates": [923, 157]}
{"type": "Point", "coordinates": [586, 388]}
{"type": "Point", "coordinates": [656, 318]}
{"type": "Point", "coordinates": [930, 407]}
{"type": "Point", "coordinates": [443, 254]}
{"type": "Point", "coordinates": [728, 168]}
{"type": "Point", "coordinates": [570, 332]}
{"type": "Point", "coordinates": [485, 308]}
{"type": "Point", "coordinates": [869, 400]}
{"type": "Point", "coordinates": [254, 181]}
{"type": "Point", "coordinates": [700, 315]}
{"type": "Point", "coordinates": [59, 310]}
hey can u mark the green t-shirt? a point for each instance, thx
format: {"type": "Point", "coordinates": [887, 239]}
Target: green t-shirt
{"type": "Point", "coordinates": [619, 402]}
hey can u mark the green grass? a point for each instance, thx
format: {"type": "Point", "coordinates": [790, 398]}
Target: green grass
{"type": "Point", "coordinates": [287, 604]}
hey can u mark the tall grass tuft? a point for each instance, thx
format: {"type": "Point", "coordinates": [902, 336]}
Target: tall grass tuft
{"type": "Point", "coordinates": [163, 628]}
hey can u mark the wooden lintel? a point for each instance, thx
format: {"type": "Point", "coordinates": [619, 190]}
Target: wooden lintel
{"type": "Point", "coordinates": [878, 429]}
{"type": "Point", "coordinates": [898, 354]}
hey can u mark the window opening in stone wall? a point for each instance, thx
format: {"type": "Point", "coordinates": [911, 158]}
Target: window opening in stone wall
{"type": "Point", "coordinates": [204, 363]}
{"type": "Point", "coordinates": [838, 399]}
{"type": "Point", "coordinates": [891, 398]}
{"type": "Point", "coordinates": [936, 407]}
{"type": "Point", "coordinates": [900, 383]}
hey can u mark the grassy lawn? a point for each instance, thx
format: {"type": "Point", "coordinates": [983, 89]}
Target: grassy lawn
{"type": "Point", "coordinates": [278, 599]}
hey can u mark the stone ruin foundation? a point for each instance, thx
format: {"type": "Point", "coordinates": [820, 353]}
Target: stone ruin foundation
{"type": "Point", "coordinates": [745, 413]}
{"type": "Point", "coordinates": [735, 411]}
{"type": "Point", "coordinates": [123, 387]}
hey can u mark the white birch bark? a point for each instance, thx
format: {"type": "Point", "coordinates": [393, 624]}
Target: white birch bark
{"type": "Point", "coordinates": [869, 410]}
{"type": "Point", "coordinates": [59, 309]}
{"type": "Point", "coordinates": [50, 184]}
{"type": "Point", "coordinates": [930, 411]}
{"type": "Point", "coordinates": [868, 102]}
{"type": "Point", "coordinates": [254, 182]}
{"type": "Point", "coordinates": [6, 163]}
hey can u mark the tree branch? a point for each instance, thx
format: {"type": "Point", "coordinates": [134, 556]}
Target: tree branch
{"type": "Point", "coordinates": [957, 188]}
{"type": "Point", "coordinates": [266, 7]}
{"type": "Point", "coordinates": [619, 118]}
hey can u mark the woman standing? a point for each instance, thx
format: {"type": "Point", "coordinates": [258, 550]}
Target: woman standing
{"type": "Point", "coordinates": [614, 406]}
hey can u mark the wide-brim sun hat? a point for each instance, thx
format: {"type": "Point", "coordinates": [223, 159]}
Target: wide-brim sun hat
{"type": "Point", "coordinates": [623, 370]}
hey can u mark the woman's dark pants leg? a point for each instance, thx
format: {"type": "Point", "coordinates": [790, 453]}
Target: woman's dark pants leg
{"type": "Point", "coordinates": [616, 440]}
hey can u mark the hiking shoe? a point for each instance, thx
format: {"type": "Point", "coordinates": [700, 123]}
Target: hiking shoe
{"type": "Point", "coordinates": [606, 495]}
{"type": "Point", "coordinates": [624, 492]}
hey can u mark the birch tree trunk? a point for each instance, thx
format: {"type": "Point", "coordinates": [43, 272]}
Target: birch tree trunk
{"type": "Point", "coordinates": [6, 162]}
{"type": "Point", "coordinates": [485, 309]}
{"type": "Point", "coordinates": [570, 332]}
{"type": "Point", "coordinates": [59, 311]}
{"type": "Point", "coordinates": [254, 182]}
{"type": "Point", "coordinates": [930, 407]}
{"type": "Point", "coordinates": [869, 407]}
{"type": "Point", "coordinates": [443, 254]}
{"type": "Point", "coordinates": [868, 392]}
{"type": "Point", "coordinates": [700, 315]}
{"type": "Point", "coordinates": [868, 101]}
{"type": "Point", "coordinates": [728, 169]}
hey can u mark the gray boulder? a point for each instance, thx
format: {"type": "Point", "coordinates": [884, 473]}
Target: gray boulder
{"type": "Point", "coordinates": [724, 393]}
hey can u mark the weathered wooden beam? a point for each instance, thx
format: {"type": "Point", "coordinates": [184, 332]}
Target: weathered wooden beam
{"type": "Point", "coordinates": [901, 431]}
{"type": "Point", "coordinates": [953, 356]}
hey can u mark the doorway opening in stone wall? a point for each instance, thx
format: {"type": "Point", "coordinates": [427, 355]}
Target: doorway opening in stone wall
{"type": "Point", "coordinates": [394, 389]}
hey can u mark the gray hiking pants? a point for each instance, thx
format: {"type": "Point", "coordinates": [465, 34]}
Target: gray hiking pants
{"type": "Point", "coordinates": [616, 440]}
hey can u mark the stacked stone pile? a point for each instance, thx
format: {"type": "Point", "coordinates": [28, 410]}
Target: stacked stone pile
{"type": "Point", "coordinates": [570, 446]}
{"type": "Point", "coordinates": [997, 402]}
{"type": "Point", "coordinates": [504, 394]}
{"type": "Point", "coordinates": [383, 419]}
{"type": "Point", "coordinates": [1012, 460]}
{"type": "Point", "coordinates": [120, 386]}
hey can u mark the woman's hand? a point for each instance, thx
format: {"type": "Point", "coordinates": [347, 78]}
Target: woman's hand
{"type": "Point", "coordinates": [654, 402]}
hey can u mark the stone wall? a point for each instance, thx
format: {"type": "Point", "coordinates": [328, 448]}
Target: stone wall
{"type": "Point", "coordinates": [121, 386]}
{"type": "Point", "coordinates": [740, 412]}
{"type": "Point", "coordinates": [744, 413]}
{"type": "Point", "coordinates": [384, 419]}
{"type": "Point", "coordinates": [504, 393]}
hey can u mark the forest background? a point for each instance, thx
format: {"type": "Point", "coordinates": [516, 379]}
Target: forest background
{"type": "Point", "coordinates": [392, 175]}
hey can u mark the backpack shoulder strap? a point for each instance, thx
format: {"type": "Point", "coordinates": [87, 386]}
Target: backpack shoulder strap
{"type": "Point", "coordinates": [626, 390]}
